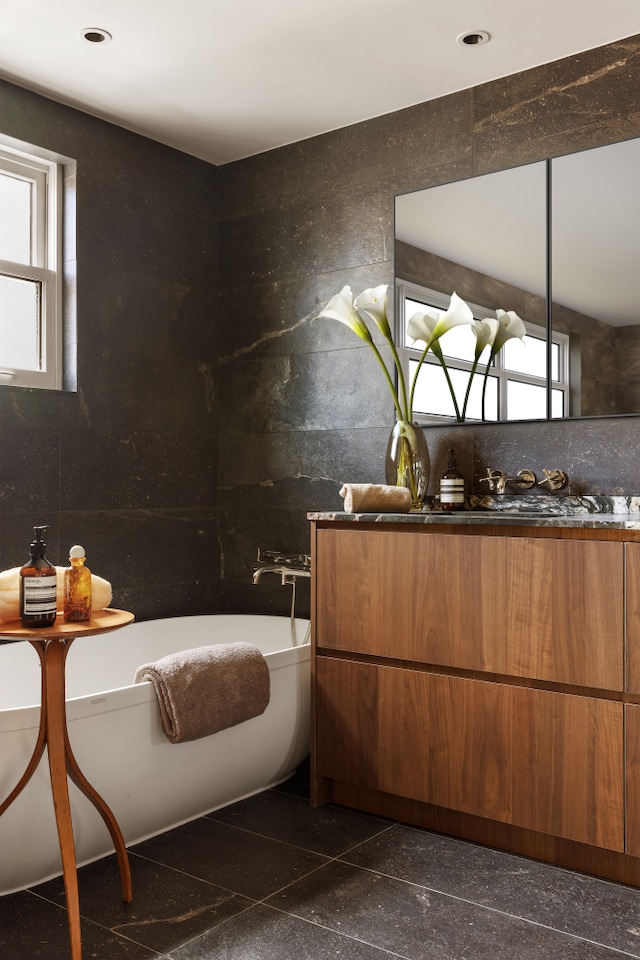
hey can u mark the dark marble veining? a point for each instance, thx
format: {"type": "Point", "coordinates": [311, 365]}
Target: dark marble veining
{"type": "Point", "coordinates": [618, 513]}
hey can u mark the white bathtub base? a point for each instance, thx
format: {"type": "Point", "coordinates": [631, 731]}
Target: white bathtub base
{"type": "Point", "coordinates": [150, 784]}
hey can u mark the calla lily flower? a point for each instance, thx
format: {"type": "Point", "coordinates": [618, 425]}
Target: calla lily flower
{"type": "Point", "coordinates": [511, 326]}
{"type": "Point", "coordinates": [426, 327]}
{"type": "Point", "coordinates": [485, 331]}
{"type": "Point", "coordinates": [341, 307]}
{"type": "Point", "coordinates": [373, 302]}
{"type": "Point", "coordinates": [431, 325]}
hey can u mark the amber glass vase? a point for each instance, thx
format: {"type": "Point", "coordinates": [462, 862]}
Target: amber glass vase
{"type": "Point", "coordinates": [407, 462]}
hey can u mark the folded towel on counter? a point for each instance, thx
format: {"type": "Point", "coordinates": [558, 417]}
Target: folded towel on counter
{"type": "Point", "coordinates": [101, 593]}
{"type": "Point", "coordinates": [207, 689]}
{"type": "Point", "coordinates": [375, 498]}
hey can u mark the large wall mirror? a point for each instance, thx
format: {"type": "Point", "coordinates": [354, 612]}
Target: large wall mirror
{"type": "Point", "coordinates": [556, 242]}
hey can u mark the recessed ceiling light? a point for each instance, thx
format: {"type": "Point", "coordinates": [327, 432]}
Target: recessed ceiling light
{"type": "Point", "coordinates": [95, 35]}
{"type": "Point", "coordinates": [473, 38]}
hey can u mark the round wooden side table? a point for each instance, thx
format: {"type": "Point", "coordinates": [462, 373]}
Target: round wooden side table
{"type": "Point", "coordinates": [52, 645]}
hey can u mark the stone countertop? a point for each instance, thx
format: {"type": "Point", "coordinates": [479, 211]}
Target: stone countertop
{"type": "Point", "coordinates": [616, 513]}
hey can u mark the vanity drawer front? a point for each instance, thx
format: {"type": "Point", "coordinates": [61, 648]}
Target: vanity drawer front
{"type": "Point", "coordinates": [517, 606]}
{"type": "Point", "coordinates": [536, 759]}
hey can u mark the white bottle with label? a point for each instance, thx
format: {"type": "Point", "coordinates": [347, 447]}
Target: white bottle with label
{"type": "Point", "coordinates": [452, 486]}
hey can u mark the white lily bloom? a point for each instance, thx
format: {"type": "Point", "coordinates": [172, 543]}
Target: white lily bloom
{"type": "Point", "coordinates": [485, 331]}
{"type": "Point", "coordinates": [510, 327]}
{"type": "Point", "coordinates": [431, 325]}
{"type": "Point", "coordinates": [421, 326]}
{"type": "Point", "coordinates": [373, 302]}
{"type": "Point", "coordinates": [341, 307]}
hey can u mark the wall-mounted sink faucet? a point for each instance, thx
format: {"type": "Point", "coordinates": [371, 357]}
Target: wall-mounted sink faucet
{"type": "Point", "coordinates": [498, 480]}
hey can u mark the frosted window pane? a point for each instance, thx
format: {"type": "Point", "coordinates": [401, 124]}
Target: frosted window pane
{"type": "Point", "coordinates": [19, 324]}
{"type": "Point", "coordinates": [433, 398]}
{"type": "Point", "coordinates": [526, 402]}
{"type": "Point", "coordinates": [557, 403]}
{"type": "Point", "coordinates": [528, 357]}
{"type": "Point", "coordinates": [15, 219]}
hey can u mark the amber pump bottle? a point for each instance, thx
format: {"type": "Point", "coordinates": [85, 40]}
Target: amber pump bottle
{"type": "Point", "coordinates": [452, 486]}
{"type": "Point", "coordinates": [38, 586]}
{"type": "Point", "coordinates": [77, 587]}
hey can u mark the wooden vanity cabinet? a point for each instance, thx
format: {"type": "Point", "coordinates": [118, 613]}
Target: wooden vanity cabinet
{"type": "Point", "coordinates": [475, 684]}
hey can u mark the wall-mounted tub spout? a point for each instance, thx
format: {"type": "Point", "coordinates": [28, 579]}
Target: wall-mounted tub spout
{"type": "Point", "coordinates": [288, 567]}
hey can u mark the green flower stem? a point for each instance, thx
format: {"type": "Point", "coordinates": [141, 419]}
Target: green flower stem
{"type": "Point", "coordinates": [468, 393]}
{"type": "Point", "coordinates": [437, 352]}
{"type": "Point", "coordinates": [390, 383]}
{"type": "Point", "coordinates": [484, 384]}
{"type": "Point", "coordinates": [408, 411]}
{"type": "Point", "coordinates": [417, 373]}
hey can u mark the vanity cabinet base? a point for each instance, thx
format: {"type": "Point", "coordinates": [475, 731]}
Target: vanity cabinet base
{"type": "Point", "coordinates": [608, 864]}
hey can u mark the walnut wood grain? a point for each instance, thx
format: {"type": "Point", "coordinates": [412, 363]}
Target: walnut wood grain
{"type": "Point", "coordinates": [544, 761]}
{"type": "Point", "coordinates": [632, 726]}
{"type": "Point", "coordinates": [632, 582]}
{"type": "Point", "coordinates": [546, 609]}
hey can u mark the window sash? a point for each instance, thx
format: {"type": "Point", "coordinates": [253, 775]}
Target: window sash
{"type": "Point", "coordinates": [45, 259]}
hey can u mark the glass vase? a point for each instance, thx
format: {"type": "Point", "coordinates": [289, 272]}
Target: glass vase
{"type": "Point", "coordinates": [407, 462]}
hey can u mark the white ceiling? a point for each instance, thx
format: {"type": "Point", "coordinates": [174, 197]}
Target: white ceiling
{"type": "Point", "coordinates": [226, 79]}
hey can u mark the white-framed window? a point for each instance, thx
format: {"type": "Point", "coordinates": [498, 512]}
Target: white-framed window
{"type": "Point", "coordinates": [516, 384]}
{"type": "Point", "coordinates": [31, 274]}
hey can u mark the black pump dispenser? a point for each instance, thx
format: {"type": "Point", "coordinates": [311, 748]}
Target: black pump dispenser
{"type": "Point", "coordinates": [38, 546]}
{"type": "Point", "coordinates": [38, 586]}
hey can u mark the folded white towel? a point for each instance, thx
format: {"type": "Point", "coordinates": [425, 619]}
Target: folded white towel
{"type": "Point", "coordinates": [375, 498]}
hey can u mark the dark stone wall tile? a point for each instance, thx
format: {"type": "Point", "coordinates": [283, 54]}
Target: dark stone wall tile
{"type": "Point", "coordinates": [274, 319]}
{"type": "Point", "coordinates": [147, 554]}
{"type": "Point", "coordinates": [558, 108]}
{"type": "Point", "coordinates": [141, 469]}
{"type": "Point", "coordinates": [303, 239]}
{"type": "Point", "coordinates": [126, 463]}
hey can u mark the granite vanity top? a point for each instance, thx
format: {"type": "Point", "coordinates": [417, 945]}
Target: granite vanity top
{"type": "Point", "coordinates": [620, 513]}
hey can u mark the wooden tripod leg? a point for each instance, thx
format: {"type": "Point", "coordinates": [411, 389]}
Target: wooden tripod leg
{"type": "Point", "coordinates": [54, 658]}
{"type": "Point", "coordinates": [83, 784]}
{"type": "Point", "coordinates": [38, 750]}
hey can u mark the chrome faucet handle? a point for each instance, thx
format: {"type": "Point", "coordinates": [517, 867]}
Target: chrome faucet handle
{"type": "Point", "coordinates": [496, 479]}
{"type": "Point", "coordinates": [554, 479]}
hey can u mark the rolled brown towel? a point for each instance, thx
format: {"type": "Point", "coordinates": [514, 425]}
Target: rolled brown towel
{"type": "Point", "coordinates": [375, 498]}
{"type": "Point", "coordinates": [207, 689]}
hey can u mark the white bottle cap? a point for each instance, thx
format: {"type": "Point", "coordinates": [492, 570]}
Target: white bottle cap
{"type": "Point", "coordinates": [76, 551]}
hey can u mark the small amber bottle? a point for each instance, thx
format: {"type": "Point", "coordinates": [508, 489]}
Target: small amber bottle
{"type": "Point", "coordinates": [38, 586]}
{"type": "Point", "coordinates": [77, 587]}
{"type": "Point", "coordinates": [452, 486]}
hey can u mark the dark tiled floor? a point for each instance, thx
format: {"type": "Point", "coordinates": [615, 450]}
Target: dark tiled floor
{"type": "Point", "coordinates": [270, 878]}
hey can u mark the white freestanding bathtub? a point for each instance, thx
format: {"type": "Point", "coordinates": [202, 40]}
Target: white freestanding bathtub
{"type": "Point", "coordinates": [115, 732]}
